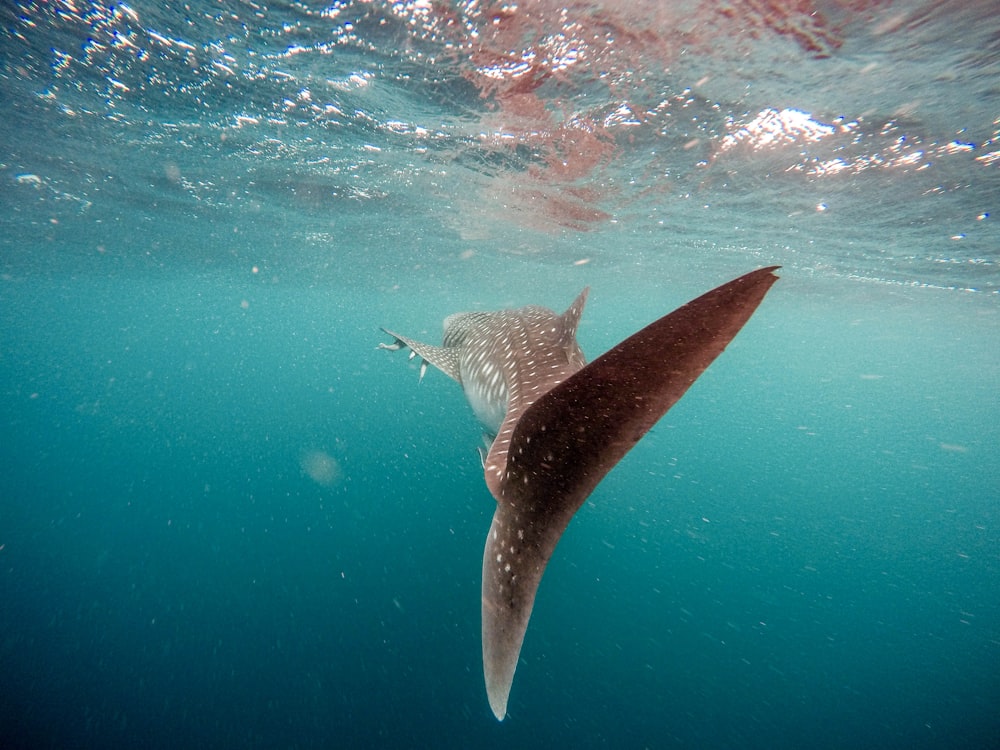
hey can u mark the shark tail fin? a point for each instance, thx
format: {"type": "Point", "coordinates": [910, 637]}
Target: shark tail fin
{"type": "Point", "coordinates": [570, 438]}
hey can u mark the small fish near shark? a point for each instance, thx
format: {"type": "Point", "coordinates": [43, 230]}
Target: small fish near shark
{"type": "Point", "coordinates": [559, 425]}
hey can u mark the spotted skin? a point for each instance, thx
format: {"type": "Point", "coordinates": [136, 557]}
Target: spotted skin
{"type": "Point", "coordinates": [504, 361]}
{"type": "Point", "coordinates": [561, 425]}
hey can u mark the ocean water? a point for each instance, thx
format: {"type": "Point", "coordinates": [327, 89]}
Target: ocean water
{"type": "Point", "coordinates": [227, 520]}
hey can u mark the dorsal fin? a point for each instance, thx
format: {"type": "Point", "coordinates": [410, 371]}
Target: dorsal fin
{"type": "Point", "coordinates": [571, 318]}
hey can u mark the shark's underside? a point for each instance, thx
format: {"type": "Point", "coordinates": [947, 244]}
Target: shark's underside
{"type": "Point", "coordinates": [560, 425]}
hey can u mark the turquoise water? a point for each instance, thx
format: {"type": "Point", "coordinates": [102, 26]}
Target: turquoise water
{"type": "Point", "coordinates": [226, 519]}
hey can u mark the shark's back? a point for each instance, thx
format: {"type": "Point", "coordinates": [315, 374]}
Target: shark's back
{"type": "Point", "coordinates": [508, 359]}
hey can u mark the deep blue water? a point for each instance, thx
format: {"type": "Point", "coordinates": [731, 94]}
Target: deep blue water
{"type": "Point", "coordinates": [227, 520]}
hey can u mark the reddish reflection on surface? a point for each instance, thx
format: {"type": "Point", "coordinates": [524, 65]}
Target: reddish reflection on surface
{"type": "Point", "coordinates": [556, 73]}
{"type": "Point", "coordinates": [569, 83]}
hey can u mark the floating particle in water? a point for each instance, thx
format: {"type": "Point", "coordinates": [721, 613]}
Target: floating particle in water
{"type": "Point", "coordinates": [321, 467]}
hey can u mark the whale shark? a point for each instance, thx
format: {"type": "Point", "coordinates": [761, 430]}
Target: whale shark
{"type": "Point", "coordinates": [558, 425]}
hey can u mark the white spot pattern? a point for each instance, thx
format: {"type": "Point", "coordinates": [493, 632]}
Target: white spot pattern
{"type": "Point", "coordinates": [506, 361]}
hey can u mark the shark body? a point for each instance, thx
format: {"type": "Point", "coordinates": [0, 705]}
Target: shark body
{"type": "Point", "coordinates": [559, 425]}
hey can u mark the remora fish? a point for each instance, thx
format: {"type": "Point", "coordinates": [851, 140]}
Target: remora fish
{"type": "Point", "coordinates": [560, 425]}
